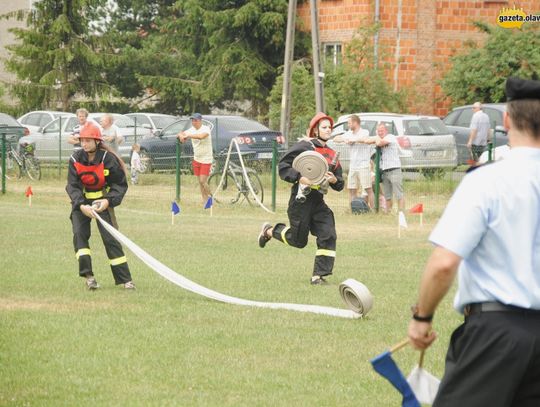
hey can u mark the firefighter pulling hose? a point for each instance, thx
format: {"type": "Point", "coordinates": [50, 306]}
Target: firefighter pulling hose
{"type": "Point", "coordinates": [96, 182]}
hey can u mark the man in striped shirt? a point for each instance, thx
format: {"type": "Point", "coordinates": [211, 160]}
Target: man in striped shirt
{"type": "Point", "coordinates": [390, 166]}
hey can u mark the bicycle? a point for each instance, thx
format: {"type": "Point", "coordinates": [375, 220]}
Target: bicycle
{"type": "Point", "coordinates": [235, 187]}
{"type": "Point", "coordinates": [20, 162]}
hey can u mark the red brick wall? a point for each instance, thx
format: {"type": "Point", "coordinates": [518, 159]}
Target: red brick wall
{"type": "Point", "coordinates": [419, 46]}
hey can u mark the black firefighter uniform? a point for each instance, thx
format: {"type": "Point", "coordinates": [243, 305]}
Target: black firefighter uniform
{"type": "Point", "coordinates": [313, 215]}
{"type": "Point", "coordinates": [88, 181]}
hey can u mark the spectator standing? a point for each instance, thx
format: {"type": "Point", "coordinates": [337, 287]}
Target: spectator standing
{"type": "Point", "coordinates": [200, 135]}
{"type": "Point", "coordinates": [96, 181]}
{"type": "Point", "coordinates": [111, 133]}
{"type": "Point", "coordinates": [390, 166]}
{"type": "Point", "coordinates": [135, 165]}
{"type": "Point", "coordinates": [82, 117]}
{"type": "Point", "coordinates": [359, 176]}
{"type": "Point", "coordinates": [489, 236]}
{"type": "Point", "coordinates": [312, 215]}
{"type": "Point", "coordinates": [478, 137]}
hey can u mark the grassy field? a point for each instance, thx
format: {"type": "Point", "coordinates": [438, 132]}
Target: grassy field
{"type": "Point", "coordinates": [61, 345]}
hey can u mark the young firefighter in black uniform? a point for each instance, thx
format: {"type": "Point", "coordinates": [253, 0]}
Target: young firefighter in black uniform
{"type": "Point", "coordinates": [96, 179]}
{"type": "Point", "coordinates": [313, 215]}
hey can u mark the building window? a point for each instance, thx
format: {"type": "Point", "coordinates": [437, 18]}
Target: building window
{"type": "Point", "coordinates": [332, 53]}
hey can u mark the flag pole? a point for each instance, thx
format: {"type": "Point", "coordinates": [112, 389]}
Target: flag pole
{"type": "Point", "coordinates": [172, 218]}
{"type": "Point", "coordinates": [399, 345]}
{"type": "Point", "coordinates": [421, 360]}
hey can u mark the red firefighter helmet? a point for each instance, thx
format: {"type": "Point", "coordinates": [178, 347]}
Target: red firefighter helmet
{"type": "Point", "coordinates": [90, 130]}
{"type": "Point", "coordinates": [315, 122]}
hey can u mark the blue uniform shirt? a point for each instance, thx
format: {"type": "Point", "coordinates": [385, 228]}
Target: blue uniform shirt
{"type": "Point", "coordinates": [493, 222]}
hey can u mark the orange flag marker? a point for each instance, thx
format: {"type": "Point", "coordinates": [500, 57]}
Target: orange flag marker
{"type": "Point", "coordinates": [28, 193]}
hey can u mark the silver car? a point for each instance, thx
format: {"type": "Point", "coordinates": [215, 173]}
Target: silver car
{"type": "Point", "coordinates": [127, 129]}
{"type": "Point", "coordinates": [51, 140]}
{"type": "Point", "coordinates": [153, 121]}
{"type": "Point", "coordinates": [39, 118]}
{"type": "Point", "coordinates": [424, 141]}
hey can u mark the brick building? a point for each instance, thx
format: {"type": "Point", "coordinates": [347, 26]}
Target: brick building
{"type": "Point", "coordinates": [418, 37]}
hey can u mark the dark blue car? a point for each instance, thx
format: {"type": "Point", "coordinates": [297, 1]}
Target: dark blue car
{"type": "Point", "coordinates": [255, 141]}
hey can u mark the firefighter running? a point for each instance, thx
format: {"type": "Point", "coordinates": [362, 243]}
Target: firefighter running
{"type": "Point", "coordinates": [96, 181]}
{"type": "Point", "coordinates": [312, 214]}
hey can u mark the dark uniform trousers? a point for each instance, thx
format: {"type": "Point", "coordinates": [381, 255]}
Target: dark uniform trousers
{"type": "Point", "coordinates": [311, 216]}
{"type": "Point", "coordinates": [115, 253]}
{"type": "Point", "coordinates": [494, 361]}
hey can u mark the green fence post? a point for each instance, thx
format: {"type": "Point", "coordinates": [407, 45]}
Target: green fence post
{"type": "Point", "coordinates": [377, 177]}
{"type": "Point", "coordinates": [274, 177]}
{"type": "Point", "coordinates": [177, 169]}
{"type": "Point", "coordinates": [60, 149]}
{"type": "Point", "coordinates": [3, 163]}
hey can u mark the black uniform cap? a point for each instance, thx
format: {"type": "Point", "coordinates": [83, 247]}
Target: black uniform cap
{"type": "Point", "coordinates": [517, 88]}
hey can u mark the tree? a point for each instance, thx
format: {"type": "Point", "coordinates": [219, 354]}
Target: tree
{"type": "Point", "coordinates": [56, 56]}
{"type": "Point", "coordinates": [354, 86]}
{"type": "Point", "coordinates": [211, 52]}
{"type": "Point", "coordinates": [479, 73]}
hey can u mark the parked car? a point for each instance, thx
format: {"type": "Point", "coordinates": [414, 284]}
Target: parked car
{"type": "Point", "coordinates": [424, 141]}
{"type": "Point", "coordinates": [39, 118]}
{"type": "Point", "coordinates": [52, 137]}
{"type": "Point", "coordinates": [127, 129]}
{"type": "Point", "coordinates": [11, 128]}
{"type": "Point", "coordinates": [459, 120]}
{"type": "Point", "coordinates": [152, 121]}
{"type": "Point", "coordinates": [255, 141]}
{"type": "Point", "coordinates": [51, 140]}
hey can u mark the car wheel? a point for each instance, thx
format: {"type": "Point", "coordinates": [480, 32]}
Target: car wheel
{"type": "Point", "coordinates": [146, 162]}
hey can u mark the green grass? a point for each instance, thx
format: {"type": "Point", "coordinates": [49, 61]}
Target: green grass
{"type": "Point", "coordinates": [61, 345]}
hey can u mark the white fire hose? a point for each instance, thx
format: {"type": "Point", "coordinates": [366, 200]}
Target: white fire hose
{"type": "Point", "coordinates": [356, 296]}
{"type": "Point", "coordinates": [311, 165]}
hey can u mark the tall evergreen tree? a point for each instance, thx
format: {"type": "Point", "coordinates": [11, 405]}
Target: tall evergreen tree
{"type": "Point", "coordinates": [209, 52]}
{"type": "Point", "coordinates": [56, 55]}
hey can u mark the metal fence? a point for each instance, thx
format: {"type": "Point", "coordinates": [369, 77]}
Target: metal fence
{"type": "Point", "coordinates": [167, 175]}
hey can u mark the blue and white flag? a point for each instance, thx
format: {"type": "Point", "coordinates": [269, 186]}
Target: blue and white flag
{"type": "Point", "coordinates": [387, 368]}
{"type": "Point", "coordinates": [175, 209]}
{"type": "Point", "coordinates": [208, 203]}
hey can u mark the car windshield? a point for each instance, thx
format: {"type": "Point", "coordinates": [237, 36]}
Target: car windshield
{"type": "Point", "coordinates": [163, 121]}
{"type": "Point", "coordinates": [239, 124]}
{"type": "Point", "coordinates": [123, 121]}
{"type": "Point", "coordinates": [424, 127]}
{"type": "Point", "coordinates": [6, 120]}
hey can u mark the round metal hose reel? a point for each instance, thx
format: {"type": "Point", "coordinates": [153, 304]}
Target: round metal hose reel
{"type": "Point", "coordinates": [311, 165]}
{"type": "Point", "coordinates": [356, 296]}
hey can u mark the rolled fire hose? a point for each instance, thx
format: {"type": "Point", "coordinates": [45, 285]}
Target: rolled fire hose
{"type": "Point", "coordinates": [189, 285]}
{"type": "Point", "coordinates": [311, 165]}
{"type": "Point", "coordinates": [356, 296]}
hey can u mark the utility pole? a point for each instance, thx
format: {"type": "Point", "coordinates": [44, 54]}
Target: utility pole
{"type": "Point", "coordinates": [285, 121]}
{"type": "Point", "coordinates": [318, 74]}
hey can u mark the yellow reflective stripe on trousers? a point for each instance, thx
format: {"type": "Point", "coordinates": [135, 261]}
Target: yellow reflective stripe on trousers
{"type": "Point", "coordinates": [83, 252]}
{"type": "Point", "coordinates": [283, 235]}
{"type": "Point", "coordinates": [325, 252]}
{"type": "Point", "coordinates": [93, 195]}
{"type": "Point", "coordinates": [118, 260]}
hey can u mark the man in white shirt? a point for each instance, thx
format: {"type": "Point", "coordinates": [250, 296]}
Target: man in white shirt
{"type": "Point", "coordinates": [392, 177]}
{"type": "Point", "coordinates": [202, 152]}
{"type": "Point", "coordinates": [111, 134]}
{"type": "Point", "coordinates": [488, 237]}
{"type": "Point", "coordinates": [478, 136]}
{"type": "Point", "coordinates": [360, 155]}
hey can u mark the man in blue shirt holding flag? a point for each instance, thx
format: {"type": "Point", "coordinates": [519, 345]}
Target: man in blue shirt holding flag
{"type": "Point", "coordinates": [489, 235]}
